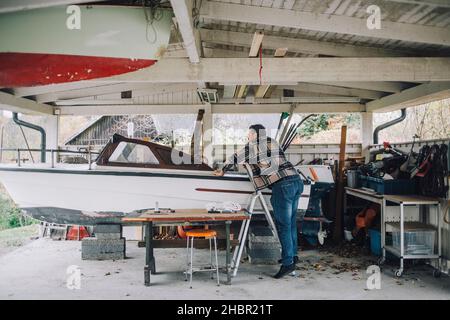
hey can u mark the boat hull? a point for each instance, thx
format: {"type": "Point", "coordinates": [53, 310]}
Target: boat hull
{"type": "Point", "coordinates": [33, 69]}
{"type": "Point", "coordinates": [124, 192]}
{"type": "Point", "coordinates": [38, 48]}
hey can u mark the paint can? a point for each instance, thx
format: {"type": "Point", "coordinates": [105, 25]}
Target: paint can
{"type": "Point", "coordinates": [352, 179]}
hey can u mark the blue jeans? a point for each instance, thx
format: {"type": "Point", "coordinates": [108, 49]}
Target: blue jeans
{"type": "Point", "coordinates": [285, 196]}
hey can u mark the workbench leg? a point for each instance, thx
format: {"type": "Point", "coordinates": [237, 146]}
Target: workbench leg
{"type": "Point", "coordinates": [228, 249]}
{"type": "Point", "coordinates": [147, 254]}
{"type": "Point", "coordinates": [152, 256]}
{"type": "Point", "coordinates": [438, 208]}
{"type": "Point", "coordinates": [402, 238]}
{"type": "Point", "coordinates": [383, 232]}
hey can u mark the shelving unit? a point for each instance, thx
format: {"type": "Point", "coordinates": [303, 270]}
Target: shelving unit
{"type": "Point", "coordinates": [402, 201]}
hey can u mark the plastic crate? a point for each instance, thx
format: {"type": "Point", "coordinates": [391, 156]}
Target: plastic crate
{"type": "Point", "coordinates": [418, 239]}
{"type": "Point", "coordinates": [381, 186]}
{"type": "Point", "coordinates": [375, 242]}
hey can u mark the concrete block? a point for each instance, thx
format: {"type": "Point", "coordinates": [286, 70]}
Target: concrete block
{"type": "Point", "coordinates": [103, 256]}
{"type": "Point", "coordinates": [108, 228]}
{"type": "Point", "coordinates": [261, 231]}
{"type": "Point", "coordinates": [264, 256]}
{"type": "Point", "coordinates": [97, 246]}
{"type": "Point", "coordinates": [264, 245]}
{"type": "Point", "coordinates": [262, 234]}
{"type": "Point", "coordinates": [108, 236]}
{"type": "Point", "coordinates": [263, 253]}
{"type": "Point", "coordinates": [261, 261]}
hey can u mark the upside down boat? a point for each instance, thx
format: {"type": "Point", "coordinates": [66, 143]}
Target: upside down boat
{"type": "Point", "coordinates": [128, 175]}
{"type": "Point", "coordinates": [73, 43]}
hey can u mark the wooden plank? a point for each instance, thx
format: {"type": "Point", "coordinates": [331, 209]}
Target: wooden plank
{"type": "Point", "coordinates": [188, 215]}
{"type": "Point", "coordinates": [308, 46]}
{"type": "Point", "coordinates": [291, 70]}
{"type": "Point", "coordinates": [323, 23]}
{"type": "Point", "coordinates": [23, 105]}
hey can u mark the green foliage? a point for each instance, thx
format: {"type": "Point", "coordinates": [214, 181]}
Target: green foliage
{"type": "Point", "coordinates": [11, 216]}
{"type": "Point", "coordinates": [324, 122]}
{"type": "Point", "coordinates": [353, 120]}
{"type": "Point", "coordinates": [314, 125]}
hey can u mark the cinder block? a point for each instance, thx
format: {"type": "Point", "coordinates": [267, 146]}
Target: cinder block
{"type": "Point", "coordinates": [108, 236]}
{"type": "Point", "coordinates": [264, 256]}
{"type": "Point", "coordinates": [265, 253]}
{"type": "Point", "coordinates": [97, 246]}
{"type": "Point", "coordinates": [261, 261]}
{"type": "Point", "coordinates": [108, 228]}
{"type": "Point", "coordinates": [262, 234]}
{"type": "Point", "coordinates": [264, 245]}
{"type": "Point", "coordinates": [261, 231]}
{"type": "Point", "coordinates": [103, 256]}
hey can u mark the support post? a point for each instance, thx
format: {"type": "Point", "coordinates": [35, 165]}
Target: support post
{"type": "Point", "coordinates": [366, 133]}
{"type": "Point", "coordinates": [51, 125]}
{"type": "Point", "coordinates": [208, 135]}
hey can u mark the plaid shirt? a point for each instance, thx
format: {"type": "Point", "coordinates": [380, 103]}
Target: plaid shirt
{"type": "Point", "coordinates": [267, 161]}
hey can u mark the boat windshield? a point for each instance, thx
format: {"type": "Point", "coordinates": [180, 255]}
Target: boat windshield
{"type": "Point", "coordinates": [128, 152]}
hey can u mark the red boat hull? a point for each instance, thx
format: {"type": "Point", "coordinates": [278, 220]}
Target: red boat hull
{"type": "Point", "coordinates": [34, 69]}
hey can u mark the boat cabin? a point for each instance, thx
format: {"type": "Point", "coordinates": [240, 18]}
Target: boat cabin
{"type": "Point", "coordinates": [127, 152]}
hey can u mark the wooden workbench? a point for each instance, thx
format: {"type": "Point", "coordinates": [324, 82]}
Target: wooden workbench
{"type": "Point", "coordinates": [182, 217]}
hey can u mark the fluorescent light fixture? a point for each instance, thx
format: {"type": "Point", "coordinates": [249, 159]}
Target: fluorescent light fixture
{"type": "Point", "coordinates": [208, 95]}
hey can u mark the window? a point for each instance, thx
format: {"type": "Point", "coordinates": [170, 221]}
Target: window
{"type": "Point", "coordinates": [127, 152]}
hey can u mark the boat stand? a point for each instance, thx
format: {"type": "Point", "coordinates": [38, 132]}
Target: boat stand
{"type": "Point", "coordinates": [243, 232]}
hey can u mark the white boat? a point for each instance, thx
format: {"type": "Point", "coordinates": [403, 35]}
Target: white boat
{"type": "Point", "coordinates": [128, 175]}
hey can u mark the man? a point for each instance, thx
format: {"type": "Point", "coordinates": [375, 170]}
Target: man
{"type": "Point", "coordinates": [271, 170]}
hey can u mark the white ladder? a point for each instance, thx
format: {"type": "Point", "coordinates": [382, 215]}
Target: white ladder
{"type": "Point", "coordinates": [243, 232]}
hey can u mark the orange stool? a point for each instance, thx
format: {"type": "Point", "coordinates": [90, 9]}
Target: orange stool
{"type": "Point", "coordinates": [206, 234]}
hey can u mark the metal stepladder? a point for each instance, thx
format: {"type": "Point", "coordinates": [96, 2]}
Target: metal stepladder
{"type": "Point", "coordinates": [243, 232]}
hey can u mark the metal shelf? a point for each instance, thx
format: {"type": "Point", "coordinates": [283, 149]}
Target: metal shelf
{"type": "Point", "coordinates": [397, 253]}
{"type": "Point", "coordinates": [402, 201]}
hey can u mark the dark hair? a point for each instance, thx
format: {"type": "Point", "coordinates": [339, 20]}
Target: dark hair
{"type": "Point", "coordinates": [260, 132]}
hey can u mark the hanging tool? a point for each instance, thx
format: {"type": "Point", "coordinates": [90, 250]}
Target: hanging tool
{"type": "Point", "coordinates": [288, 122]}
{"type": "Point", "coordinates": [404, 167]}
{"type": "Point", "coordinates": [433, 171]}
{"type": "Point", "coordinates": [283, 116]}
{"type": "Point", "coordinates": [287, 142]}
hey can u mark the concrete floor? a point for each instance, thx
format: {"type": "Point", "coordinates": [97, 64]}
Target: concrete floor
{"type": "Point", "coordinates": [38, 271]}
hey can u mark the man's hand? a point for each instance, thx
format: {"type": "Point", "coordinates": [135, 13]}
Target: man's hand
{"type": "Point", "coordinates": [218, 173]}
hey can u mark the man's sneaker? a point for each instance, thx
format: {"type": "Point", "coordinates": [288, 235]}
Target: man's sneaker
{"type": "Point", "coordinates": [296, 260]}
{"type": "Point", "coordinates": [284, 270]}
